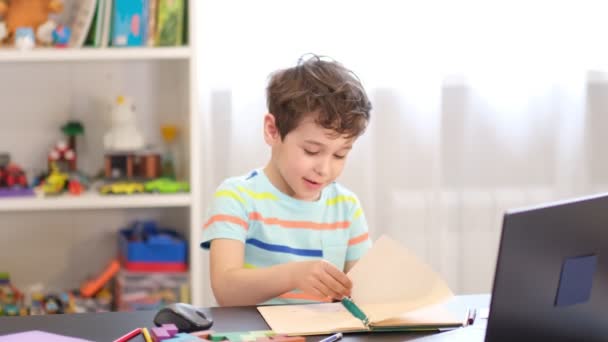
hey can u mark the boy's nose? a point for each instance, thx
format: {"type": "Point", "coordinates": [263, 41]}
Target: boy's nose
{"type": "Point", "coordinates": [322, 168]}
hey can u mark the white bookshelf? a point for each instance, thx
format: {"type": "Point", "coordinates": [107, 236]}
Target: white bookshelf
{"type": "Point", "coordinates": [93, 200]}
{"type": "Point", "coordinates": [61, 240]}
{"type": "Point", "coordinates": [11, 55]}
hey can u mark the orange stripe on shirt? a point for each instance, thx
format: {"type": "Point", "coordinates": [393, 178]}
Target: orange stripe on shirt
{"type": "Point", "coordinates": [226, 218]}
{"type": "Point", "coordinates": [304, 296]}
{"type": "Point", "coordinates": [299, 224]}
{"type": "Point", "coordinates": [358, 239]}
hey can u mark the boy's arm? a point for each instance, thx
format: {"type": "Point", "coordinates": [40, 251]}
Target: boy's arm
{"type": "Point", "coordinates": [233, 284]}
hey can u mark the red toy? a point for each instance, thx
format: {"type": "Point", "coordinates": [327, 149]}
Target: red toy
{"type": "Point", "coordinates": [12, 176]}
{"type": "Point", "coordinates": [62, 154]}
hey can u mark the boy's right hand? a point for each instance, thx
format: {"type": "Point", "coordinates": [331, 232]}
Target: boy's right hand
{"type": "Point", "coordinates": [322, 279]}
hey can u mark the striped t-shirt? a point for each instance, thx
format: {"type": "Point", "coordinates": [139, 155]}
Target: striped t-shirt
{"type": "Point", "coordinates": [277, 228]}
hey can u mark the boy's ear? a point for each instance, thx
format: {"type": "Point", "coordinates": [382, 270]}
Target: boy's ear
{"type": "Point", "coordinates": [271, 132]}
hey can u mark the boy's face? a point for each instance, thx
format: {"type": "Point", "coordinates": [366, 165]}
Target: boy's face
{"type": "Point", "coordinates": [308, 159]}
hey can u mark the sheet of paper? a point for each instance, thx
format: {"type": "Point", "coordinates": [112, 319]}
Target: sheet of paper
{"type": "Point", "coordinates": [436, 315]}
{"type": "Point", "coordinates": [309, 319]}
{"type": "Point", "coordinates": [37, 335]}
{"type": "Point", "coordinates": [390, 280]}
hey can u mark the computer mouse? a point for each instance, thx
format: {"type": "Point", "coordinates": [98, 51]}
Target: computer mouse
{"type": "Point", "coordinates": [186, 317]}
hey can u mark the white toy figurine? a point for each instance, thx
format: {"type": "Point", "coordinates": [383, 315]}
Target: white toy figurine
{"type": "Point", "coordinates": [24, 38]}
{"type": "Point", "coordinates": [123, 134]}
{"type": "Point", "coordinates": [45, 32]}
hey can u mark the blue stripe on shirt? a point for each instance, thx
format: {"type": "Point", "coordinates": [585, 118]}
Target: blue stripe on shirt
{"type": "Point", "coordinates": [285, 249]}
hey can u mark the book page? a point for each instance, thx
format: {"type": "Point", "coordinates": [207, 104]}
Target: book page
{"type": "Point", "coordinates": [436, 315]}
{"type": "Point", "coordinates": [390, 280]}
{"type": "Point", "coordinates": [310, 319]}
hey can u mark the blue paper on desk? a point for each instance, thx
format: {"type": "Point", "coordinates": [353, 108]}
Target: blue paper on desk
{"type": "Point", "coordinates": [37, 335]}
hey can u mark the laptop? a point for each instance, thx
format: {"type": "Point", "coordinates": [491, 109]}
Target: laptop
{"type": "Point", "coordinates": [551, 279]}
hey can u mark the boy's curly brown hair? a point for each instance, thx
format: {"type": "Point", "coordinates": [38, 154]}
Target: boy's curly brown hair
{"type": "Point", "coordinates": [326, 88]}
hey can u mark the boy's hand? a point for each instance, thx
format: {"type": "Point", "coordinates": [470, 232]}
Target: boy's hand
{"type": "Point", "coordinates": [322, 279]}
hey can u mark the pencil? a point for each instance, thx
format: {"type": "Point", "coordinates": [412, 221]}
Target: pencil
{"type": "Point", "coordinates": [128, 335]}
{"type": "Point", "coordinates": [146, 334]}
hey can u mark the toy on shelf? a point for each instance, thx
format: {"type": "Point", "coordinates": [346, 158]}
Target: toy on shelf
{"type": "Point", "coordinates": [124, 135]}
{"type": "Point", "coordinates": [126, 155]}
{"type": "Point", "coordinates": [34, 301]}
{"type": "Point", "coordinates": [62, 160]}
{"type": "Point", "coordinates": [46, 32]}
{"type": "Point", "coordinates": [3, 31]}
{"type": "Point", "coordinates": [169, 134]}
{"type": "Point", "coordinates": [72, 129]}
{"type": "Point", "coordinates": [32, 15]}
{"type": "Point", "coordinates": [13, 181]}
{"type": "Point", "coordinates": [63, 156]}
{"type": "Point", "coordinates": [24, 38]}
{"type": "Point", "coordinates": [150, 290]}
{"type": "Point", "coordinates": [117, 188]}
{"type": "Point", "coordinates": [10, 297]}
{"type": "Point", "coordinates": [93, 286]}
{"type": "Point", "coordinates": [55, 182]}
{"type": "Point", "coordinates": [166, 186]}
{"type": "Point", "coordinates": [61, 36]}
{"type": "Point", "coordinates": [143, 164]}
{"type": "Point", "coordinates": [146, 247]}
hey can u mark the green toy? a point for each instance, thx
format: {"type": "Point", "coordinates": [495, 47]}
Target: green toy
{"type": "Point", "coordinates": [166, 186]}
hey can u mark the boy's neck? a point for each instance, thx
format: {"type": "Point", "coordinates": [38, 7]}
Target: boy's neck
{"type": "Point", "coordinates": [277, 180]}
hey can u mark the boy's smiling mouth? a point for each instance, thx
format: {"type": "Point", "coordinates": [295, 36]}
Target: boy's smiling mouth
{"type": "Point", "coordinates": [312, 184]}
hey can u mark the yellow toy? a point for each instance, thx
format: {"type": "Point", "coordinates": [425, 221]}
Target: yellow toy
{"type": "Point", "coordinates": [55, 183]}
{"type": "Point", "coordinates": [127, 188]}
{"type": "Point", "coordinates": [28, 13]}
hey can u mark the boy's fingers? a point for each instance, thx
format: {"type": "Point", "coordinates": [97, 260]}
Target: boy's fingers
{"type": "Point", "coordinates": [326, 291]}
{"type": "Point", "coordinates": [339, 276]}
{"type": "Point", "coordinates": [338, 290]}
{"type": "Point", "coordinates": [317, 293]}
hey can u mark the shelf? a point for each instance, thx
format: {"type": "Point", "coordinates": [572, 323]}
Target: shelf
{"type": "Point", "coordinates": [11, 55]}
{"type": "Point", "coordinates": [94, 201]}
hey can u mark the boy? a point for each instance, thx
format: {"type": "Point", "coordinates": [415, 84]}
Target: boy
{"type": "Point", "coordinates": [288, 233]}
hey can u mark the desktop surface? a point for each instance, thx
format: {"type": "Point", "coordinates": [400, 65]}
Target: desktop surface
{"type": "Point", "coordinates": [111, 325]}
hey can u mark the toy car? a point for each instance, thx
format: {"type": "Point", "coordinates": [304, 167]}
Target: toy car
{"type": "Point", "coordinates": [166, 185]}
{"type": "Point", "coordinates": [122, 188]}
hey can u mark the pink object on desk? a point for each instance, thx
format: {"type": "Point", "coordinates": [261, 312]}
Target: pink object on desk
{"type": "Point", "coordinates": [37, 335]}
{"type": "Point", "coordinates": [170, 328]}
{"type": "Point", "coordinates": [159, 334]}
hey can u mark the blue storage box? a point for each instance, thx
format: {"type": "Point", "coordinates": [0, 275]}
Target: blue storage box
{"type": "Point", "coordinates": [143, 241]}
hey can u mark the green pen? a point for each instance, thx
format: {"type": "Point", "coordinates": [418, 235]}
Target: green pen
{"type": "Point", "coordinates": [354, 310]}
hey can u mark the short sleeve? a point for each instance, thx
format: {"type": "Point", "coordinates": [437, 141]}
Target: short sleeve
{"type": "Point", "coordinates": [227, 217]}
{"type": "Point", "coordinates": [359, 241]}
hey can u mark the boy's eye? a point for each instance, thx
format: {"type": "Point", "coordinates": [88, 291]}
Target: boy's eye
{"type": "Point", "coordinates": [339, 157]}
{"type": "Point", "coordinates": [310, 153]}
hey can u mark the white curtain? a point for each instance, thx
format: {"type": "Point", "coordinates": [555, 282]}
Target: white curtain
{"type": "Point", "coordinates": [479, 106]}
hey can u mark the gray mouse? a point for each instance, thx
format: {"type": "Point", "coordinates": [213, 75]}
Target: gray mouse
{"type": "Point", "coordinates": [186, 317]}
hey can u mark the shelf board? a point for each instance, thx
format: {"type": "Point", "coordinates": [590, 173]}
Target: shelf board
{"type": "Point", "coordinates": [94, 201]}
{"type": "Point", "coordinates": [11, 55]}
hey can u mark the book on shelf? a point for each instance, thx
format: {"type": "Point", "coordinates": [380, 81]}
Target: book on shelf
{"type": "Point", "coordinates": [129, 22]}
{"type": "Point", "coordinates": [170, 22]}
{"type": "Point", "coordinates": [392, 291]}
{"type": "Point", "coordinates": [152, 21]}
{"type": "Point", "coordinates": [106, 22]}
{"type": "Point", "coordinates": [81, 18]}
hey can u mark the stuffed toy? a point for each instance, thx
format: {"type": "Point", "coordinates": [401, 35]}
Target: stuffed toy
{"type": "Point", "coordinates": [28, 13]}
{"type": "Point", "coordinates": [124, 135]}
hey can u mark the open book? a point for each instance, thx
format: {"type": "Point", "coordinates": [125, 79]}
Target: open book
{"type": "Point", "coordinates": [392, 290]}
